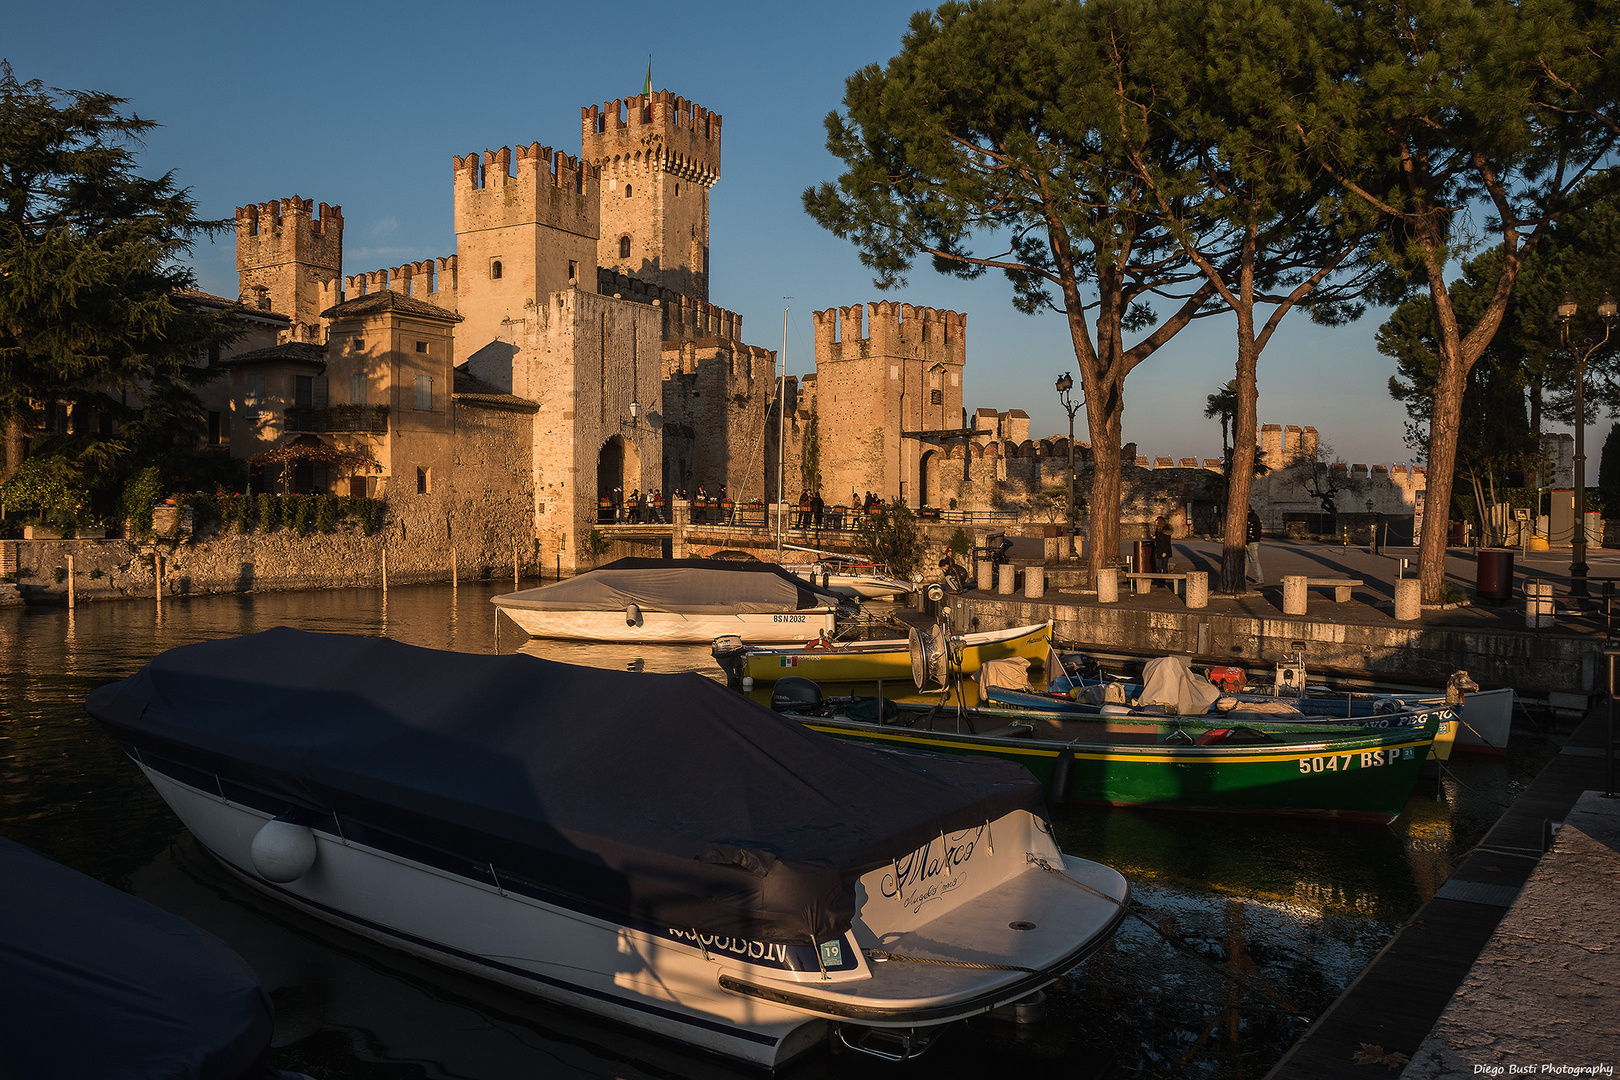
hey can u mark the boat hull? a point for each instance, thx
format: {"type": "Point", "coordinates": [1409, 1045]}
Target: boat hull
{"type": "Point", "coordinates": [1365, 778]}
{"type": "Point", "coordinates": [671, 627]}
{"type": "Point", "coordinates": [875, 660]}
{"type": "Point", "coordinates": [737, 998]}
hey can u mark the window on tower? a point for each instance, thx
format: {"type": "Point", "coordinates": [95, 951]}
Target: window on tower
{"type": "Point", "coordinates": [495, 268]}
{"type": "Point", "coordinates": [624, 247]}
{"type": "Point", "coordinates": [627, 191]}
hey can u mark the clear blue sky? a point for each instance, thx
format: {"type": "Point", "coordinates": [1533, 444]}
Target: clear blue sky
{"type": "Point", "coordinates": [363, 105]}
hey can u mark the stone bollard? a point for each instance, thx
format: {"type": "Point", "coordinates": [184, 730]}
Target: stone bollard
{"type": "Point", "coordinates": [1538, 604]}
{"type": "Point", "coordinates": [1034, 582]}
{"type": "Point", "coordinates": [1197, 588]}
{"type": "Point", "coordinates": [1007, 579]}
{"type": "Point", "coordinates": [1108, 585]}
{"type": "Point", "coordinates": [1052, 548]}
{"type": "Point", "coordinates": [1294, 594]}
{"type": "Point", "coordinates": [1408, 599]}
{"type": "Point", "coordinates": [987, 574]}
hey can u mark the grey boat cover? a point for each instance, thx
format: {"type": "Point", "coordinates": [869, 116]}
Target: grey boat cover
{"type": "Point", "coordinates": [693, 585]}
{"type": "Point", "coordinates": [95, 982]}
{"type": "Point", "coordinates": [660, 799]}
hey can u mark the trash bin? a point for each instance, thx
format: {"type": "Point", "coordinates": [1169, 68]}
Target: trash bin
{"type": "Point", "coordinates": [1142, 557]}
{"type": "Point", "coordinates": [1494, 583]}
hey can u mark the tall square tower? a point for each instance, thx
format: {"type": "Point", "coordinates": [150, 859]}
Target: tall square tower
{"type": "Point", "coordinates": [657, 155]}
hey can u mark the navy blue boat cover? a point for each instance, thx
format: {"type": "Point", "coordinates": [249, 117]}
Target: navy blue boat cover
{"type": "Point", "coordinates": [666, 799]}
{"type": "Point", "coordinates": [95, 982]}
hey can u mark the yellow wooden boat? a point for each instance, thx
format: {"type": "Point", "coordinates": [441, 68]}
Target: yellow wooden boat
{"type": "Point", "coordinates": [868, 661]}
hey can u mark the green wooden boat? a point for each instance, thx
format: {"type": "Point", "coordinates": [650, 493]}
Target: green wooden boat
{"type": "Point", "coordinates": [1350, 770]}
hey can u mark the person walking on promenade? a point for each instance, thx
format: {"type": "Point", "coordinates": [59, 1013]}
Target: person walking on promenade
{"type": "Point", "coordinates": [1251, 551]}
{"type": "Point", "coordinates": [1161, 546]}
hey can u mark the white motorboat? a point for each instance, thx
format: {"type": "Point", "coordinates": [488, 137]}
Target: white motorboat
{"type": "Point", "coordinates": [674, 601]}
{"type": "Point", "coordinates": [653, 849]}
{"type": "Point", "coordinates": [851, 579]}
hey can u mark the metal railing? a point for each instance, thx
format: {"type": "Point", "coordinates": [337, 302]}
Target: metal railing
{"type": "Point", "coordinates": [330, 419]}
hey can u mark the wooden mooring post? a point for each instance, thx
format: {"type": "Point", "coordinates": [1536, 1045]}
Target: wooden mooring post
{"type": "Point", "coordinates": [71, 595]}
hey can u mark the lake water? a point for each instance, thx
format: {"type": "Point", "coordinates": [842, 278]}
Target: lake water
{"type": "Point", "coordinates": [1271, 918]}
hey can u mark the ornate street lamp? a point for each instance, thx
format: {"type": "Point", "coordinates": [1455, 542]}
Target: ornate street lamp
{"type": "Point", "coordinates": [1582, 350]}
{"type": "Point", "coordinates": [1065, 383]}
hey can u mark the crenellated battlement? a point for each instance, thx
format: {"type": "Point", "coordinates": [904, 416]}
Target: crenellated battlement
{"type": "Point", "coordinates": [685, 318]}
{"type": "Point", "coordinates": [658, 132]}
{"type": "Point", "coordinates": [255, 219]}
{"type": "Point", "coordinates": [430, 280]}
{"type": "Point", "coordinates": [525, 185]}
{"type": "Point", "coordinates": [893, 329]}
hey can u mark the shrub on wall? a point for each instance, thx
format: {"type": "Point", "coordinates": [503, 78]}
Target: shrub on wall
{"type": "Point", "coordinates": [46, 489]}
{"type": "Point", "coordinates": [301, 514]}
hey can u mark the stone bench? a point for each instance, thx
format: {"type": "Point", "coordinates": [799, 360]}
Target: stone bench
{"type": "Point", "coordinates": [1295, 587]}
{"type": "Point", "coordinates": [1341, 586]}
{"type": "Point", "coordinates": [1144, 581]}
{"type": "Point", "coordinates": [1193, 584]}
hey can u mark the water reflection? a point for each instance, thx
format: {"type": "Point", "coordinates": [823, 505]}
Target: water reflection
{"type": "Point", "coordinates": [1250, 925]}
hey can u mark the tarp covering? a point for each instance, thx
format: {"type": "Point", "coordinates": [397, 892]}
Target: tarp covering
{"type": "Point", "coordinates": [1168, 683]}
{"type": "Point", "coordinates": [97, 983]}
{"type": "Point", "coordinates": [666, 798]}
{"type": "Point", "coordinates": [694, 585]}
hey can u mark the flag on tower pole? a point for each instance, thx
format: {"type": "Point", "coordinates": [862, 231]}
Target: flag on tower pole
{"type": "Point", "coordinates": [646, 87]}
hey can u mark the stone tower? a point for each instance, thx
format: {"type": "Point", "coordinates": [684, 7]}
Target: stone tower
{"type": "Point", "coordinates": [290, 261]}
{"type": "Point", "coordinates": [658, 155]}
{"type": "Point", "coordinates": [520, 235]}
{"type": "Point", "coordinates": [878, 393]}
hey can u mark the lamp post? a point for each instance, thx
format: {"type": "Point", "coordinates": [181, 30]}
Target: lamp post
{"type": "Point", "coordinates": [1065, 383]}
{"type": "Point", "coordinates": [1582, 350]}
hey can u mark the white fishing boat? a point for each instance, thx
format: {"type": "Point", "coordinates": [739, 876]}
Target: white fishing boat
{"type": "Point", "coordinates": [653, 849]}
{"type": "Point", "coordinates": [676, 601]}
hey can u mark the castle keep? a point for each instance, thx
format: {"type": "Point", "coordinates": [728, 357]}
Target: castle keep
{"type": "Point", "coordinates": [565, 350]}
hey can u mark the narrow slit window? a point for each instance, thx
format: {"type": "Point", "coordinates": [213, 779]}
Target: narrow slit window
{"type": "Point", "coordinates": [495, 269]}
{"type": "Point", "coordinates": [624, 247]}
{"type": "Point", "coordinates": [424, 393]}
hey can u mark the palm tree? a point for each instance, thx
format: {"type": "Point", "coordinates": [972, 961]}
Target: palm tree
{"type": "Point", "coordinates": [1223, 404]}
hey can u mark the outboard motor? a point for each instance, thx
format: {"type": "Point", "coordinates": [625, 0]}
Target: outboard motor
{"type": "Point", "coordinates": [1290, 676]}
{"type": "Point", "coordinates": [1458, 687]}
{"type": "Point", "coordinates": [796, 694]}
{"type": "Point", "coordinates": [727, 650]}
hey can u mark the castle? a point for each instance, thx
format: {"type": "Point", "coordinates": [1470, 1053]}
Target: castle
{"type": "Point", "coordinates": [566, 348]}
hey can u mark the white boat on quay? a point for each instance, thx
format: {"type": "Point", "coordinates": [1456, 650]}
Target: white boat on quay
{"type": "Point", "coordinates": [676, 601]}
{"type": "Point", "coordinates": [849, 578]}
{"type": "Point", "coordinates": [653, 849]}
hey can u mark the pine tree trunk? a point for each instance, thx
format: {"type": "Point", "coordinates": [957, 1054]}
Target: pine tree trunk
{"type": "Point", "coordinates": [1444, 423]}
{"type": "Point", "coordinates": [1103, 512]}
{"type": "Point", "coordinates": [15, 444]}
{"type": "Point", "coordinates": [1246, 423]}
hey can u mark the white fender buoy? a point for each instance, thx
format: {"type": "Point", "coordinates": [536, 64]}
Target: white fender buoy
{"type": "Point", "coordinates": [632, 615]}
{"type": "Point", "coordinates": [282, 850]}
